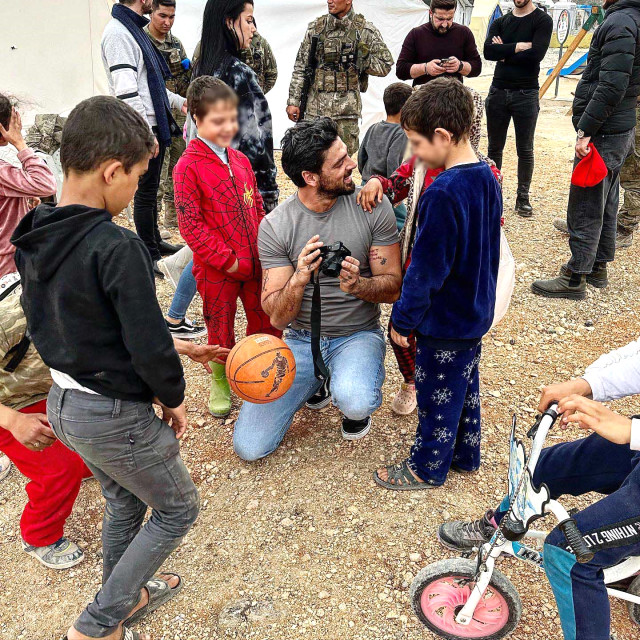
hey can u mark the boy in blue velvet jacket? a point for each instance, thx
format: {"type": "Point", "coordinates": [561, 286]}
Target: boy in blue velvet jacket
{"type": "Point", "coordinates": [449, 291]}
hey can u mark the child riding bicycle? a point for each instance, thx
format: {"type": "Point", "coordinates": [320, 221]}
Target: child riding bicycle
{"type": "Point", "coordinates": [606, 462]}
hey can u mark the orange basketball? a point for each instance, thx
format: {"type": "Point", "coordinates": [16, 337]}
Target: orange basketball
{"type": "Point", "coordinates": [261, 368]}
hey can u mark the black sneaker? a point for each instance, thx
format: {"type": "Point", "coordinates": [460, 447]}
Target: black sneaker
{"type": "Point", "coordinates": [168, 249]}
{"type": "Point", "coordinates": [355, 429]}
{"type": "Point", "coordinates": [185, 330]}
{"type": "Point", "coordinates": [464, 536]}
{"type": "Point", "coordinates": [320, 399]}
{"type": "Point", "coordinates": [156, 271]}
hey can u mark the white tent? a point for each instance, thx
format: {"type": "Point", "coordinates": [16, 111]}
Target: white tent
{"type": "Point", "coordinates": [50, 55]}
{"type": "Point", "coordinates": [50, 52]}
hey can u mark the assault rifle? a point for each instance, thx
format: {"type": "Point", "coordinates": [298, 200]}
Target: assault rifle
{"type": "Point", "coordinates": [309, 75]}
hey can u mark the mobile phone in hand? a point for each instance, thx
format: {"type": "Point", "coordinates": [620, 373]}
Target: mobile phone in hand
{"type": "Point", "coordinates": [444, 61]}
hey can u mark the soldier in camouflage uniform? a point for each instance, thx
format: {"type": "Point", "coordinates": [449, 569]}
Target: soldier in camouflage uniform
{"type": "Point", "coordinates": [176, 57]}
{"type": "Point", "coordinates": [350, 49]}
{"type": "Point", "coordinates": [261, 59]}
{"type": "Point", "coordinates": [629, 214]}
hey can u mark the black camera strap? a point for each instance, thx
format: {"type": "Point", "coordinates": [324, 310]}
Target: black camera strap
{"type": "Point", "coordinates": [319, 367]}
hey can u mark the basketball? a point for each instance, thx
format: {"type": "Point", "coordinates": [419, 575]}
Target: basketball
{"type": "Point", "coordinates": [261, 368]}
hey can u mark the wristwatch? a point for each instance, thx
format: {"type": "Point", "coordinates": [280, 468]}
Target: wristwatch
{"type": "Point", "coordinates": [461, 67]}
{"type": "Point", "coordinates": [580, 134]}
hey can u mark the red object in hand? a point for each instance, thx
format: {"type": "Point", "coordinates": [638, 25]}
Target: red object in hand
{"type": "Point", "coordinates": [591, 170]}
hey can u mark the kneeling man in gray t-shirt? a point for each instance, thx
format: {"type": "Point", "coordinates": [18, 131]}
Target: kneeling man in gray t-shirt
{"type": "Point", "coordinates": [352, 343]}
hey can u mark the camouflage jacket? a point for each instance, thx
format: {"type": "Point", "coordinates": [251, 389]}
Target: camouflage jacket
{"type": "Point", "coordinates": [349, 51]}
{"type": "Point", "coordinates": [261, 59]}
{"type": "Point", "coordinates": [174, 53]}
{"type": "Point", "coordinates": [31, 380]}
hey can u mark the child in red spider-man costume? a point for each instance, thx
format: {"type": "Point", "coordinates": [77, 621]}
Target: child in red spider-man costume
{"type": "Point", "coordinates": [219, 211]}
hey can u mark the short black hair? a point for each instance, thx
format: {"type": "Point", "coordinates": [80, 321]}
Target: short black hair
{"type": "Point", "coordinates": [156, 4]}
{"type": "Point", "coordinates": [443, 103]}
{"type": "Point", "coordinates": [205, 91]}
{"type": "Point", "coordinates": [104, 128]}
{"type": "Point", "coordinates": [445, 5]}
{"type": "Point", "coordinates": [305, 146]}
{"type": "Point", "coordinates": [394, 97]}
{"type": "Point", "coordinates": [6, 109]}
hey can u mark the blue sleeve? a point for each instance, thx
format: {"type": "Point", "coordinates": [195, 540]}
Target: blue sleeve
{"type": "Point", "coordinates": [432, 258]}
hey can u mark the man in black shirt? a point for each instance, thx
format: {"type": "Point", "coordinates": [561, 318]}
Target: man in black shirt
{"type": "Point", "coordinates": [518, 41]}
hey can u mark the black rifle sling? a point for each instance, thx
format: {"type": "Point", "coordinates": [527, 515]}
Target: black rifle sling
{"type": "Point", "coordinates": [319, 367]}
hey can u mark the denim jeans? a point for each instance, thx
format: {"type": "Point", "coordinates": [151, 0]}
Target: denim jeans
{"type": "Point", "coordinates": [136, 458]}
{"type": "Point", "coordinates": [185, 291]}
{"type": "Point", "coordinates": [592, 212]}
{"type": "Point", "coordinates": [356, 366]}
{"type": "Point", "coordinates": [523, 105]}
{"type": "Point", "coordinates": [145, 205]}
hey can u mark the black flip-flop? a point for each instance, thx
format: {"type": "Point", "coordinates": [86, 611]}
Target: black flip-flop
{"type": "Point", "coordinates": [159, 593]}
{"type": "Point", "coordinates": [403, 479]}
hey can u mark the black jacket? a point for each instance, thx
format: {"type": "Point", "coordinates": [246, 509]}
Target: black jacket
{"type": "Point", "coordinates": [605, 99]}
{"type": "Point", "coordinates": [88, 292]}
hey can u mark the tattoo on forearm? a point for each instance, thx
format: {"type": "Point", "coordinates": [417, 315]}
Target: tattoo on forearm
{"type": "Point", "coordinates": [265, 280]}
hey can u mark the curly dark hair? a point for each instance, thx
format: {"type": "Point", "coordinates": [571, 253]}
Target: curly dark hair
{"type": "Point", "coordinates": [305, 146]}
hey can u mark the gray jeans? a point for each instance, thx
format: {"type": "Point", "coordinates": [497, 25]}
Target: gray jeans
{"type": "Point", "coordinates": [592, 211]}
{"type": "Point", "coordinates": [136, 458]}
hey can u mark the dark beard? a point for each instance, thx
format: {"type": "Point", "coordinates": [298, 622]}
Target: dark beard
{"type": "Point", "coordinates": [333, 191]}
{"type": "Point", "coordinates": [440, 30]}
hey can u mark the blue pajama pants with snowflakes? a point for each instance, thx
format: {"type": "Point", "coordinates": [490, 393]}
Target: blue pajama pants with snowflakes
{"type": "Point", "coordinates": [448, 434]}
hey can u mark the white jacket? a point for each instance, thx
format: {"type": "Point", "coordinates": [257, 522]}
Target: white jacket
{"type": "Point", "coordinates": [617, 375]}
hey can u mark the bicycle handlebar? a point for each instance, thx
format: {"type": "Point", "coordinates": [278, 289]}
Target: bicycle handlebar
{"type": "Point", "coordinates": [574, 538]}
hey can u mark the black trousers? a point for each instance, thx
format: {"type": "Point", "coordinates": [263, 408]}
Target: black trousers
{"type": "Point", "coordinates": [145, 205]}
{"type": "Point", "coordinates": [523, 106]}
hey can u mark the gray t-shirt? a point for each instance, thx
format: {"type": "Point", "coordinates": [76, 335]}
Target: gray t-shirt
{"type": "Point", "coordinates": [287, 229]}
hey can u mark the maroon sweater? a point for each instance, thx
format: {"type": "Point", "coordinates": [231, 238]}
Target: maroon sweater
{"type": "Point", "coordinates": [423, 44]}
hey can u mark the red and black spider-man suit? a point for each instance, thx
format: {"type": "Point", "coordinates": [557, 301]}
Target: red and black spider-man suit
{"type": "Point", "coordinates": [219, 210]}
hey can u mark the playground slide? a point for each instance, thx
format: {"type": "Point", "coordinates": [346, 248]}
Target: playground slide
{"type": "Point", "coordinates": [574, 69]}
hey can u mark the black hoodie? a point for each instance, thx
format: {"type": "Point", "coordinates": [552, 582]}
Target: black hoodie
{"type": "Point", "coordinates": [88, 292]}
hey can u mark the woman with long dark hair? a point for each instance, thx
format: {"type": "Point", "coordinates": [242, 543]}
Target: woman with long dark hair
{"type": "Point", "coordinates": [227, 28]}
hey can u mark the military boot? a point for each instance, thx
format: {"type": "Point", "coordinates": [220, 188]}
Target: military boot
{"type": "Point", "coordinates": [624, 238]}
{"type": "Point", "coordinates": [597, 278]}
{"type": "Point", "coordinates": [567, 285]}
{"type": "Point", "coordinates": [523, 207]}
{"type": "Point", "coordinates": [170, 215]}
{"type": "Point", "coordinates": [220, 394]}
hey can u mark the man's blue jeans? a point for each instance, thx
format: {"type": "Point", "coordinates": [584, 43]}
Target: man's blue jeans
{"type": "Point", "coordinates": [185, 292]}
{"type": "Point", "coordinates": [356, 365]}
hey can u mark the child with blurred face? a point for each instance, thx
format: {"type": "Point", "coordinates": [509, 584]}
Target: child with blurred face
{"type": "Point", "coordinates": [219, 211]}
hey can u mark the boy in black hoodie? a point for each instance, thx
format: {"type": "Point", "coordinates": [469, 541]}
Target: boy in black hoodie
{"type": "Point", "coordinates": [89, 297]}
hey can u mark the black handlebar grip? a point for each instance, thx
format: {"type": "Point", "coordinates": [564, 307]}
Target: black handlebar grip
{"type": "Point", "coordinates": [574, 538]}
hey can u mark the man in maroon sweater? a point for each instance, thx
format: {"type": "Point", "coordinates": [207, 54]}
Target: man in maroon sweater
{"type": "Point", "coordinates": [440, 47]}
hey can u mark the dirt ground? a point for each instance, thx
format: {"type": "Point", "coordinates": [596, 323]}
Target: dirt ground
{"type": "Point", "coordinates": [304, 544]}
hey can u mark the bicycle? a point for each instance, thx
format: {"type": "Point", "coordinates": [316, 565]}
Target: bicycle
{"type": "Point", "coordinates": [464, 598]}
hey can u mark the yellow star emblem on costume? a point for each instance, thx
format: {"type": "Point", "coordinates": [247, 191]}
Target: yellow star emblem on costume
{"type": "Point", "coordinates": [248, 195]}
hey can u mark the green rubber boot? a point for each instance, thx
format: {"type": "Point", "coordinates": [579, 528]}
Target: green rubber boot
{"type": "Point", "coordinates": [220, 395]}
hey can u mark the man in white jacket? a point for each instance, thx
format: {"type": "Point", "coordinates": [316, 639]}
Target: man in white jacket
{"type": "Point", "coordinates": [607, 462]}
{"type": "Point", "coordinates": [133, 70]}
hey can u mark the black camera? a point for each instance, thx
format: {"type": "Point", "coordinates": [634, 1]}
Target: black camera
{"type": "Point", "coordinates": [332, 258]}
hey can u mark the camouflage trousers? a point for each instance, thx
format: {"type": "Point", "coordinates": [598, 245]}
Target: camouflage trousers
{"type": "Point", "coordinates": [629, 214]}
{"type": "Point", "coordinates": [349, 132]}
{"type": "Point", "coordinates": [165, 190]}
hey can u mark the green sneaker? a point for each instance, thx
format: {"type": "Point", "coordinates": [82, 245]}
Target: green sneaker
{"type": "Point", "coordinates": [220, 395]}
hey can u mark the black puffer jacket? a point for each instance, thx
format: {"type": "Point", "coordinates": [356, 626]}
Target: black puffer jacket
{"type": "Point", "coordinates": [605, 99]}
